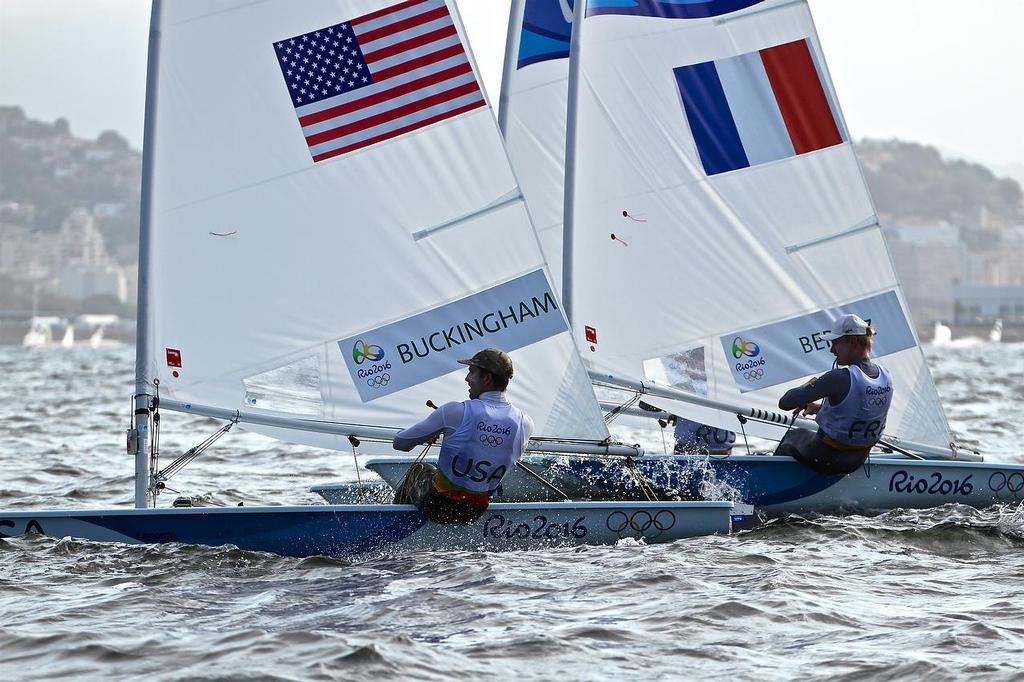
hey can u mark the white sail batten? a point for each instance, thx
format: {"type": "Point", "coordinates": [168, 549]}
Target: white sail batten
{"type": "Point", "coordinates": [334, 222]}
{"type": "Point", "coordinates": [719, 217]}
{"type": "Point", "coordinates": [534, 96]}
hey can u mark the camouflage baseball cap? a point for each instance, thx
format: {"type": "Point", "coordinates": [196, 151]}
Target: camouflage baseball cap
{"type": "Point", "coordinates": [495, 361]}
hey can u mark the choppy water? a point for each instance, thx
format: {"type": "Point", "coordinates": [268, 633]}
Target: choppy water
{"type": "Point", "coordinates": [908, 595]}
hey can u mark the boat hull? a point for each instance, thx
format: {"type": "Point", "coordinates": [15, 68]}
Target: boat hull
{"type": "Point", "coordinates": [773, 485]}
{"type": "Point", "coordinates": [353, 530]}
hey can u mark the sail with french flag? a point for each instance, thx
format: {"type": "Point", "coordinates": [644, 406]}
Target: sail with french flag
{"type": "Point", "coordinates": [378, 76]}
{"type": "Point", "coordinates": [758, 107]}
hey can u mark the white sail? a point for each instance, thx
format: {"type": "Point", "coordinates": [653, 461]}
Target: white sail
{"type": "Point", "coordinates": [334, 221]}
{"type": "Point", "coordinates": [534, 93]}
{"type": "Point", "coordinates": [719, 216]}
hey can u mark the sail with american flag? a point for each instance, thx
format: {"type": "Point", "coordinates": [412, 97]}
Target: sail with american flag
{"type": "Point", "coordinates": [331, 271]}
{"type": "Point", "coordinates": [377, 76]}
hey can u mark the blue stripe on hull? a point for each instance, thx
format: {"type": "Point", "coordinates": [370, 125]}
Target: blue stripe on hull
{"type": "Point", "coordinates": [355, 530]}
{"type": "Point", "coordinates": [294, 534]}
{"type": "Point", "coordinates": [780, 485]}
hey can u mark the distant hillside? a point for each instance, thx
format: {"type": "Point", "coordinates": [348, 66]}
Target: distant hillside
{"type": "Point", "coordinates": [911, 182]}
{"type": "Point", "coordinates": [47, 173]}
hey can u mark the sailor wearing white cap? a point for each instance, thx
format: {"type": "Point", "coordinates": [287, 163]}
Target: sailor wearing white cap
{"type": "Point", "coordinates": [850, 404]}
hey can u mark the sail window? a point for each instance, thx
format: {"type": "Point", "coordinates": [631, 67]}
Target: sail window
{"type": "Point", "coordinates": [293, 388]}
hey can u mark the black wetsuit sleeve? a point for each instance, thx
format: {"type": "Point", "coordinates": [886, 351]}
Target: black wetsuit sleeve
{"type": "Point", "coordinates": [834, 385]}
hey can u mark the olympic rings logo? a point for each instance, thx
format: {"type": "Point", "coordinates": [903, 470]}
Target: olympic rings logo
{"type": "Point", "coordinates": [876, 402]}
{"type": "Point", "coordinates": [754, 374]}
{"type": "Point", "coordinates": [641, 522]}
{"type": "Point", "coordinates": [1006, 486]}
{"type": "Point", "coordinates": [379, 380]}
{"type": "Point", "coordinates": [741, 347]}
{"type": "Point", "coordinates": [362, 351]}
{"type": "Point", "coordinates": [493, 441]}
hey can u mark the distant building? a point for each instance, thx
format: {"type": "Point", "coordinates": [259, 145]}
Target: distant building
{"type": "Point", "coordinates": [80, 283]}
{"type": "Point", "coordinates": [1003, 264]}
{"type": "Point", "coordinates": [86, 268]}
{"type": "Point", "coordinates": [930, 260]}
{"type": "Point", "coordinates": [23, 254]}
{"type": "Point", "coordinates": [982, 305]}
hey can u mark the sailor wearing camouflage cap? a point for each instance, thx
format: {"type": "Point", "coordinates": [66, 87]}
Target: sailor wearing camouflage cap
{"type": "Point", "coordinates": [484, 437]}
{"type": "Point", "coordinates": [850, 403]}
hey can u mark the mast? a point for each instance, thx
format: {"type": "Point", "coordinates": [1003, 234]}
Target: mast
{"type": "Point", "coordinates": [138, 440]}
{"type": "Point", "coordinates": [511, 43]}
{"type": "Point", "coordinates": [579, 10]}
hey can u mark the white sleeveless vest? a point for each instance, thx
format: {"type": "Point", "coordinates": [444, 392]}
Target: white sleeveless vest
{"type": "Point", "coordinates": [859, 419]}
{"type": "Point", "coordinates": [485, 446]}
{"type": "Point", "coordinates": [694, 436]}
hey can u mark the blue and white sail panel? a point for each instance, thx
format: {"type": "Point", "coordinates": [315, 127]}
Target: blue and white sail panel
{"type": "Point", "coordinates": [533, 108]}
{"type": "Point", "coordinates": [715, 190]}
{"type": "Point", "coordinates": [267, 253]}
{"type": "Point", "coordinates": [544, 30]}
{"type": "Point", "coordinates": [669, 9]}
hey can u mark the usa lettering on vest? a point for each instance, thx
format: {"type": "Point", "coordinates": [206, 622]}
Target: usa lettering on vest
{"type": "Point", "coordinates": [860, 418]}
{"type": "Point", "coordinates": [484, 447]}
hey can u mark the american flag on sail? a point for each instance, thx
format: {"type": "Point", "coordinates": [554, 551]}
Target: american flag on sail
{"type": "Point", "coordinates": [377, 76]}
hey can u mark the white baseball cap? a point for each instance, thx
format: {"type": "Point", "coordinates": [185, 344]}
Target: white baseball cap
{"type": "Point", "coordinates": [847, 325]}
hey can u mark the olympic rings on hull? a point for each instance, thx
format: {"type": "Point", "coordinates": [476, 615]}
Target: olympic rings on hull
{"type": "Point", "coordinates": [1006, 486]}
{"type": "Point", "coordinates": [641, 523]}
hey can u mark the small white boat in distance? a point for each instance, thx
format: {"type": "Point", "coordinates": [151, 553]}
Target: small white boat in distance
{"type": "Point", "coordinates": [40, 332]}
{"type": "Point", "coordinates": [943, 335]}
{"type": "Point", "coordinates": [96, 340]}
{"type": "Point", "coordinates": [995, 335]}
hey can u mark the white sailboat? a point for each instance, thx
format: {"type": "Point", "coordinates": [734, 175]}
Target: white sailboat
{"type": "Point", "coordinates": [96, 338]}
{"type": "Point", "coordinates": [716, 219]}
{"type": "Point", "coordinates": [40, 332]}
{"type": "Point", "coordinates": [995, 335]}
{"type": "Point", "coordinates": [329, 222]}
{"type": "Point", "coordinates": [942, 334]}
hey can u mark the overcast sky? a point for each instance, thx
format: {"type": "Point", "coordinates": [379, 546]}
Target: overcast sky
{"type": "Point", "coordinates": [942, 72]}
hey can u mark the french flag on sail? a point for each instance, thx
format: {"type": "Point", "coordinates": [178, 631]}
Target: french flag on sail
{"type": "Point", "coordinates": [758, 107]}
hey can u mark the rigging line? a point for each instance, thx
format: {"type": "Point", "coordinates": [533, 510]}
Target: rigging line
{"type": "Point", "coordinates": [355, 460]}
{"type": "Point", "coordinates": [743, 421]}
{"type": "Point", "coordinates": [541, 479]}
{"type": "Point", "coordinates": [617, 411]}
{"type": "Point", "coordinates": [645, 486]}
{"type": "Point", "coordinates": [186, 458]}
{"type": "Point", "coordinates": [154, 443]}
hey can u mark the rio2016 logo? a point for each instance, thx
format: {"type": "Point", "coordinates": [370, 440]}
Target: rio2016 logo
{"type": "Point", "coordinates": [362, 351]}
{"type": "Point", "coordinates": [752, 370]}
{"type": "Point", "coordinates": [740, 347]}
{"type": "Point", "coordinates": [376, 375]}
